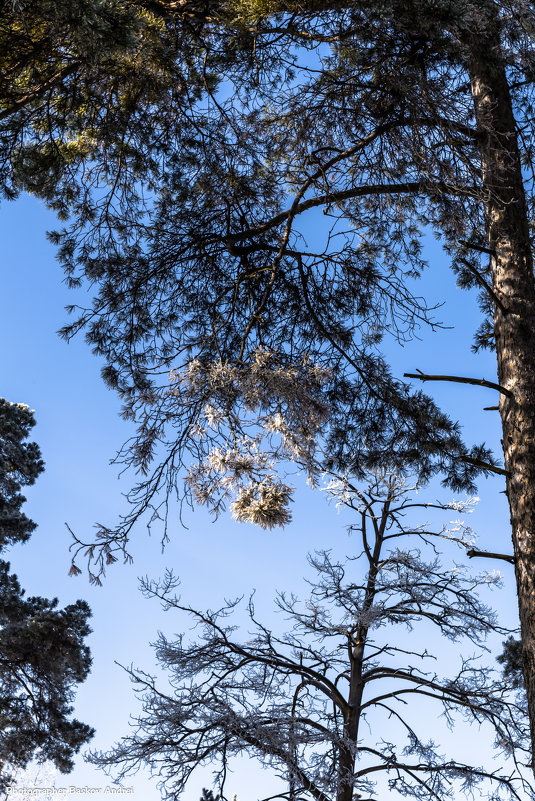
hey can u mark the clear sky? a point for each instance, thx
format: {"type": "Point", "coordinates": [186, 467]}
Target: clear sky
{"type": "Point", "coordinates": [78, 431]}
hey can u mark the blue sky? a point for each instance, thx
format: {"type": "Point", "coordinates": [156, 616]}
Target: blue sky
{"type": "Point", "coordinates": [79, 431]}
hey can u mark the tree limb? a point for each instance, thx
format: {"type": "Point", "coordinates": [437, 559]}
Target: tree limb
{"type": "Point", "coordinates": [332, 198]}
{"type": "Point", "coordinates": [480, 248]}
{"type": "Point", "coordinates": [485, 466]}
{"type": "Point", "coordinates": [484, 284]}
{"type": "Point", "coordinates": [479, 382]}
{"type": "Point", "coordinates": [506, 557]}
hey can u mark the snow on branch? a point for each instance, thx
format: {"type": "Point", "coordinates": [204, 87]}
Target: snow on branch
{"type": "Point", "coordinates": [331, 702]}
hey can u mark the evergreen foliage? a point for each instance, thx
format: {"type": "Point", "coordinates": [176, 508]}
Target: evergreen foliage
{"type": "Point", "coordinates": [20, 464]}
{"type": "Point", "coordinates": [511, 659]}
{"type": "Point", "coordinates": [42, 656]}
{"type": "Point", "coordinates": [77, 79]}
{"type": "Point", "coordinates": [207, 795]}
{"type": "Point", "coordinates": [194, 235]}
{"type": "Point", "coordinates": [42, 650]}
{"type": "Point", "coordinates": [256, 177]}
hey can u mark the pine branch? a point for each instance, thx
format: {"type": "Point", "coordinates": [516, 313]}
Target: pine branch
{"type": "Point", "coordinates": [51, 83]}
{"type": "Point", "coordinates": [332, 198]}
{"type": "Point", "coordinates": [485, 285]}
{"type": "Point", "coordinates": [479, 382]}
{"type": "Point", "coordinates": [490, 555]}
{"type": "Point", "coordinates": [485, 465]}
{"type": "Point", "coordinates": [474, 246]}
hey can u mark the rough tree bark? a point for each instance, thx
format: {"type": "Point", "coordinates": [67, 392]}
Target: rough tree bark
{"type": "Point", "coordinates": [514, 319]}
{"type": "Point", "coordinates": [357, 680]}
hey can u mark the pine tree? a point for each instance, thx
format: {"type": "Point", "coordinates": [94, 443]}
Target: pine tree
{"type": "Point", "coordinates": [190, 210]}
{"type": "Point", "coordinates": [64, 64]}
{"type": "Point", "coordinates": [20, 464]}
{"type": "Point", "coordinates": [42, 656]}
{"type": "Point", "coordinates": [42, 650]}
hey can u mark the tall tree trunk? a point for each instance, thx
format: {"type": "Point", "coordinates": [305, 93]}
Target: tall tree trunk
{"type": "Point", "coordinates": [351, 724]}
{"type": "Point", "coordinates": [348, 754]}
{"type": "Point", "coordinates": [514, 324]}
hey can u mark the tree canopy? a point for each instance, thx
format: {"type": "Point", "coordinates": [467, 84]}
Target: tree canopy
{"type": "Point", "coordinates": [42, 656]}
{"type": "Point", "coordinates": [330, 699]}
{"type": "Point", "coordinates": [77, 78]}
{"type": "Point", "coordinates": [42, 650]}
{"type": "Point", "coordinates": [20, 464]}
{"type": "Point", "coordinates": [211, 264]}
{"type": "Point", "coordinates": [258, 191]}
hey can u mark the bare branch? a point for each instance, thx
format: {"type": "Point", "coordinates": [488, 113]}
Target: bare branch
{"type": "Point", "coordinates": [478, 382]}
{"type": "Point", "coordinates": [490, 555]}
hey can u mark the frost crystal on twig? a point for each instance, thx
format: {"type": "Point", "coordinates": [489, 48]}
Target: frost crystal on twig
{"type": "Point", "coordinates": [283, 400]}
{"type": "Point", "coordinates": [333, 702]}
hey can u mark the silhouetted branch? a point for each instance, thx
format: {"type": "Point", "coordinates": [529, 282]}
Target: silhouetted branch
{"type": "Point", "coordinates": [458, 379]}
{"type": "Point", "coordinates": [485, 465]}
{"type": "Point", "coordinates": [490, 555]}
{"type": "Point", "coordinates": [484, 284]}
